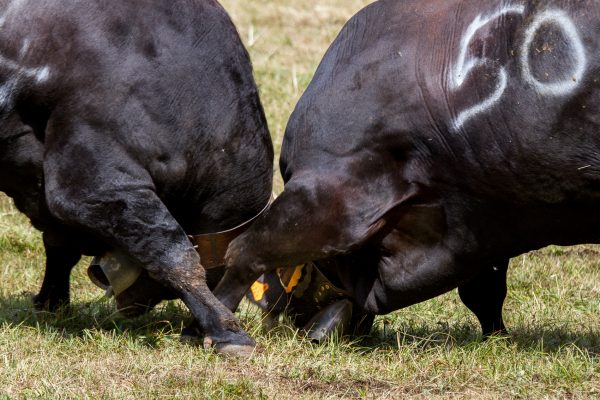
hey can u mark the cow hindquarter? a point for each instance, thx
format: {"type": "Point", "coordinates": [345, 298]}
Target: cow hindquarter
{"type": "Point", "coordinates": [523, 91]}
{"type": "Point", "coordinates": [509, 98]}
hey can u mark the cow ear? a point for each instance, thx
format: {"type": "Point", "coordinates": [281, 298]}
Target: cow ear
{"type": "Point", "coordinates": [372, 231]}
{"type": "Point", "coordinates": [388, 216]}
{"type": "Point", "coordinates": [268, 293]}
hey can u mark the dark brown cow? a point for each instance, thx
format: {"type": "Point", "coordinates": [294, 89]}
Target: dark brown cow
{"type": "Point", "coordinates": [126, 125]}
{"type": "Point", "coordinates": [437, 140]}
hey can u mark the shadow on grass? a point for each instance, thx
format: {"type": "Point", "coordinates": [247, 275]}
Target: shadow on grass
{"type": "Point", "coordinates": [168, 319]}
{"type": "Point", "coordinates": [78, 319]}
{"type": "Point", "coordinates": [552, 339]}
{"type": "Point", "coordinates": [538, 338]}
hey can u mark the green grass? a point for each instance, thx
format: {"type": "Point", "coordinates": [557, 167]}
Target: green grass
{"type": "Point", "coordinates": [428, 351]}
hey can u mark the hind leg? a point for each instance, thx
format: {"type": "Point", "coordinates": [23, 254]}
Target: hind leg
{"type": "Point", "coordinates": [60, 260]}
{"type": "Point", "coordinates": [484, 295]}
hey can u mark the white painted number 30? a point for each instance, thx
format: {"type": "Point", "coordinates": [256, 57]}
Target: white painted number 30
{"type": "Point", "coordinates": [464, 64]}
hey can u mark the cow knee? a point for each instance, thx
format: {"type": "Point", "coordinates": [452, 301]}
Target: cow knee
{"type": "Point", "coordinates": [94, 210]}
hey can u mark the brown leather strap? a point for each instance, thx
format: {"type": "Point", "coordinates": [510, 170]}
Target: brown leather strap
{"type": "Point", "coordinates": [213, 246]}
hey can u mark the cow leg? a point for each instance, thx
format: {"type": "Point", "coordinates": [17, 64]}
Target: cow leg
{"type": "Point", "coordinates": [60, 260]}
{"type": "Point", "coordinates": [484, 295]}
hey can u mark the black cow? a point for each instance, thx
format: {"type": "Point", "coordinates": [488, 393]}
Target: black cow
{"type": "Point", "coordinates": [437, 140]}
{"type": "Point", "coordinates": [126, 124]}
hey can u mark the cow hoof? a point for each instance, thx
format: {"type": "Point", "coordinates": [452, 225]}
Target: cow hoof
{"type": "Point", "coordinates": [230, 349]}
{"type": "Point", "coordinates": [39, 303]}
{"type": "Point", "coordinates": [43, 303]}
{"type": "Point", "coordinates": [235, 350]}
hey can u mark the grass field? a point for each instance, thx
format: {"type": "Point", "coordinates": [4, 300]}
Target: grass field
{"type": "Point", "coordinates": [428, 351]}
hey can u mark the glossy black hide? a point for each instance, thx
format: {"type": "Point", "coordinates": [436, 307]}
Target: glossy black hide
{"type": "Point", "coordinates": [437, 140]}
{"type": "Point", "coordinates": [126, 125]}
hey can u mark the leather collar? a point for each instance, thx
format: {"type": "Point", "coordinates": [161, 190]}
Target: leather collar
{"type": "Point", "coordinates": [213, 246]}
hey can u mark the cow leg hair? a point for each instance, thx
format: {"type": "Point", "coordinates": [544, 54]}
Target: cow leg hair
{"type": "Point", "coordinates": [60, 260]}
{"type": "Point", "coordinates": [484, 295]}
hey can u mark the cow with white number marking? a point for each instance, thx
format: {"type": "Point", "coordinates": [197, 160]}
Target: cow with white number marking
{"type": "Point", "coordinates": [127, 125]}
{"type": "Point", "coordinates": [437, 140]}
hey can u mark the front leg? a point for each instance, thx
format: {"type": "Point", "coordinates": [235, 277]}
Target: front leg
{"type": "Point", "coordinates": [484, 295]}
{"type": "Point", "coordinates": [60, 260]}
